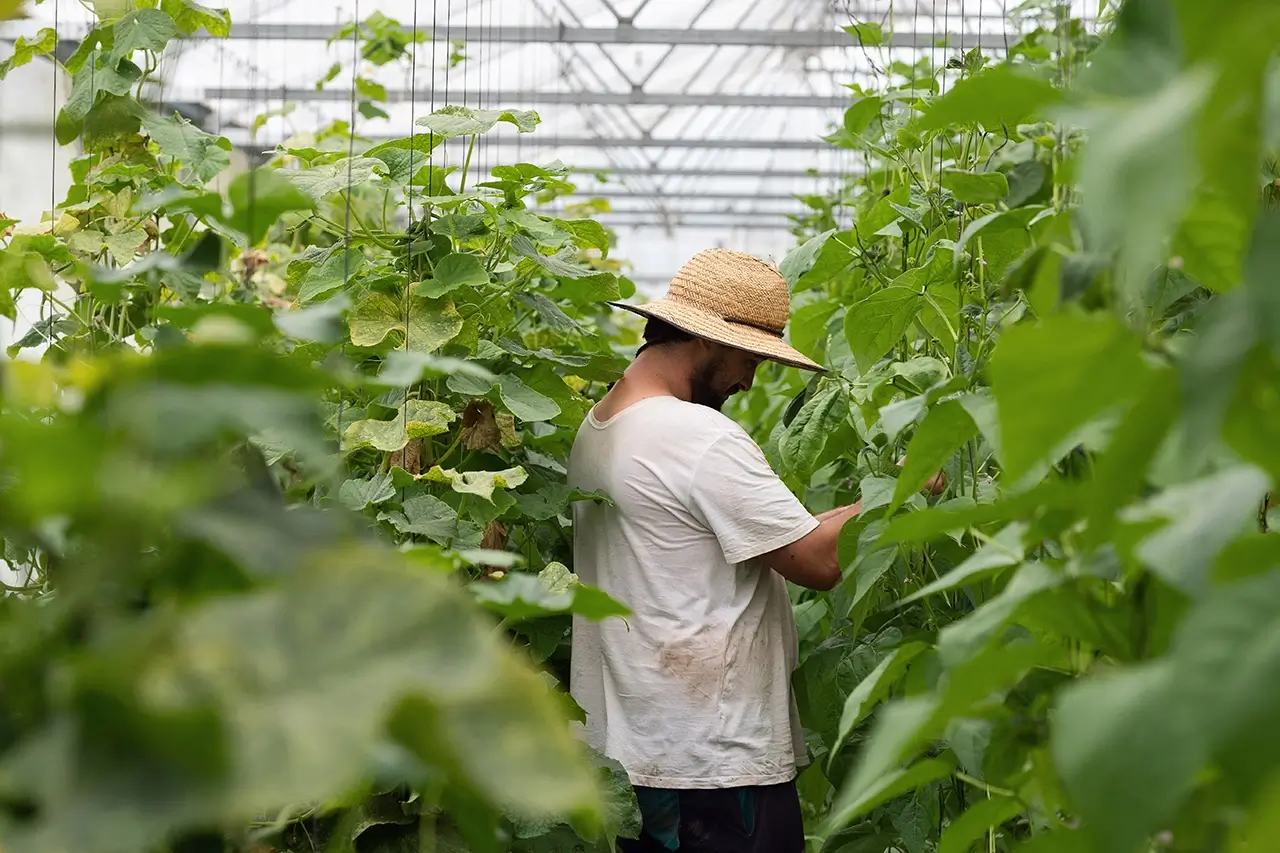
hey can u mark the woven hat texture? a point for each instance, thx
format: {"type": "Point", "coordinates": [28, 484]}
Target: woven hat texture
{"type": "Point", "coordinates": [732, 298]}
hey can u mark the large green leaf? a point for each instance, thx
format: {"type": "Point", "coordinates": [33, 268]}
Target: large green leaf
{"type": "Point", "coordinates": [1128, 748]}
{"type": "Point", "coordinates": [524, 402]}
{"type": "Point", "coordinates": [874, 689]}
{"type": "Point", "coordinates": [1054, 377]}
{"type": "Point", "coordinates": [182, 142]}
{"type": "Point", "coordinates": [256, 677]}
{"type": "Point", "coordinates": [801, 259]}
{"type": "Point", "coordinates": [426, 326]}
{"type": "Point", "coordinates": [450, 121]}
{"type": "Point", "coordinates": [976, 187]}
{"type": "Point", "coordinates": [997, 98]}
{"type": "Point", "coordinates": [191, 16]}
{"type": "Point", "coordinates": [1201, 518]}
{"type": "Point", "coordinates": [142, 29]}
{"type": "Point", "coordinates": [982, 816]}
{"type": "Point", "coordinates": [319, 182]}
{"type": "Point", "coordinates": [1138, 173]}
{"type": "Point", "coordinates": [804, 439]}
{"type": "Point", "coordinates": [405, 158]}
{"type": "Point", "coordinates": [258, 199]}
{"type": "Point", "coordinates": [97, 79]}
{"type": "Point", "coordinates": [876, 324]}
{"type": "Point", "coordinates": [452, 272]}
{"type": "Point", "coordinates": [945, 429]}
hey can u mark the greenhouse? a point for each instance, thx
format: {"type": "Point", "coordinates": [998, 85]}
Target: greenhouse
{"type": "Point", "coordinates": [524, 426]}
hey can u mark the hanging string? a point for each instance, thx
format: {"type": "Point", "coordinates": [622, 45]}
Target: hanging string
{"type": "Point", "coordinates": [413, 150]}
{"type": "Point", "coordinates": [346, 220]}
{"type": "Point", "coordinates": [46, 299]}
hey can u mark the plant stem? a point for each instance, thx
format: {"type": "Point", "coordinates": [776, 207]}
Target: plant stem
{"type": "Point", "coordinates": [466, 164]}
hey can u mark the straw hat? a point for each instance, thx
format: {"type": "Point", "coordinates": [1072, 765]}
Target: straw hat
{"type": "Point", "coordinates": [732, 298]}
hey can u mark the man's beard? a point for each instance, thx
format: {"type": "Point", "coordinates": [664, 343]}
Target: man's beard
{"type": "Point", "coordinates": [702, 387]}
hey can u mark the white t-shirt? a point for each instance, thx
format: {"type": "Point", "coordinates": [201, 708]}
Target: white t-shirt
{"type": "Point", "coordinates": [694, 689]}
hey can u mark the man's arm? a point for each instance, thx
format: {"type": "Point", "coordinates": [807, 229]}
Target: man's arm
{"type": "Point", "coordinates": [813, 561]}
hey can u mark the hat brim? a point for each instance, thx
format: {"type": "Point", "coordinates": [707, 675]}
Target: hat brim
{"type": "Point", "coordinates": [706, 325]}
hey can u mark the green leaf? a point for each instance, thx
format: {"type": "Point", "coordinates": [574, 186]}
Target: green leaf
{"type": "Point", "coordinates": [1054, 377]}
{"type": "Point", "coordinates": [875, 688]}
{"type": "Point", "coordinates": [875, 492]}
{"type": "Point", "coordinates": [24, 50]}
{"type": "Point", "coordinates": [962, 639]}
{"type": "Point", "coordinates": [1138, 173]}
{"type": "Point", "coordinates": [524, 402]}
{"type": "Point", "coordinates": [258, 199]}
{"type": "Point", "coordinates": [1202, 517]}
{"type": "Point", "coordinates": [555, 590]}
{"type": "Point", "coordinates": [361, 494]}
{"type": "Point", "coordinates": [1127, 747]}
{"type": "Point", "coordinates": [332, 274]}
{"type": "Point", "coordinates": [89, 85]}
{"type": "Point", "coordinates": [142, 29]}
{"type": "Point", "coordinates": [427, 326]}
{"type": "Point", "coordinates": [860, 116]}
{"type": "Point", "coordinates": [587, 233]}
{"type": "Point", "coordinates": [944, 430]}
{"type": "Point", "coordinates": [319, 182]}
{"type": "Point", "coordinates": [852, 803]}
{"type": "Point", "coordinates": [867, 35]}
{"type": "Point", "coordinates": [182, 142]}
{"type": "Point", "coordinates": [401, 369]}
{"type": "Point", "coordinates": [1003, 550]}
{"type": "Point", "coordinates": [191, 16]}
{"type": "Point", "coordinates": [804, 439]}
{"type": "Point", "coordinates": [481, 483]}
{"type": "Point", "coordinates": [426, 515]}
{"type": "Point", "coordinates": [801, 259]}
{"type": "Point", "coordinates": [452, 272]}
{"type": "Point", "coordinates": [976, 187]}
{"type": "Point", "coordinates": [405, 158]}
{"type": "Point", "coordinates": [876, 324]}
{"type": "Point", "coordinates": [414, 419]}
{"type": "Point", "coordinates": [996, 98]}
{"type": "Point", "coordinates": [451, 121]}
{"type": "Point", "coordinates": [984, 815]}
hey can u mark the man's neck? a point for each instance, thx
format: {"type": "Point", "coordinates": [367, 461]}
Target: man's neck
{"type": "Point", "coordinates": [652, 374]}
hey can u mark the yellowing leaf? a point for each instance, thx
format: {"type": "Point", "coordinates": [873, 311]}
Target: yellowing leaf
{"type": "Point", "coordinates": [415, 419]}
{"type": "Point", "coordinates": [481, 483]}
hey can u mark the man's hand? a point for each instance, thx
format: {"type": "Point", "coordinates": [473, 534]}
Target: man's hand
{"type": "Point", "coordinates": [814, 562]}
{"type": "Point", "coordinates": [936, 485]}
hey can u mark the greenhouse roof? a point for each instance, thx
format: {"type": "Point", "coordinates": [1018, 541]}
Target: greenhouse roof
{"type": "Point", "coordinates": [707, 114]}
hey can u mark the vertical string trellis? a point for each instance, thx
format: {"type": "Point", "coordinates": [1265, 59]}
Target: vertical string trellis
{"type": "Point", "coordinates": [413, 150]}
{"type": "Point", "coordinates": [46, 299]}
{"type": "Point", "coordinates": [346, 221]}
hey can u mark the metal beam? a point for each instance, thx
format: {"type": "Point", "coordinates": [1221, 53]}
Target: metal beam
{"type": "Point", "coordinates": [715, 173]}
{"type": "Point", "coordinates": [621, 34]}
{"type": "Point", "coordinates": [712, 225]}
{"type": "Point", "coordinates": [627, 34]}
{"type": "Point", "coordinates": [633, 142]}
{"type": "Point", "coordinates": [636, 97]}
{"type": "Point", "coordinates": [694, 193]}
{"type": "Point", "coordinates": [677, 212]}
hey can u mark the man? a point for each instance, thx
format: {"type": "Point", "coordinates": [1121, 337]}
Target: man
{"type": "Point", "coordinates": [692, 693]}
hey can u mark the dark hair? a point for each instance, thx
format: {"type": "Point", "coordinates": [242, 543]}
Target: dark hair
{"type": "Point", "coordinates": [658, 332]}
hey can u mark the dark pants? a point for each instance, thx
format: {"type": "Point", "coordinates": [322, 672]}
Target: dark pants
{"type": "Point", "coordinates": [760, 819]}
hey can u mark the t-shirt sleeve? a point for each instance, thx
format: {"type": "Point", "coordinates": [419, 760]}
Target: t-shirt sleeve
{"type": "Point", "coordinates": [737, 495]}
